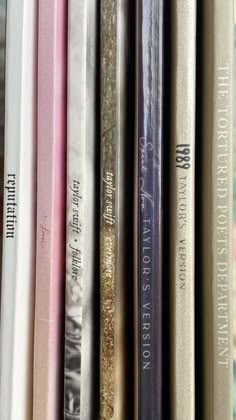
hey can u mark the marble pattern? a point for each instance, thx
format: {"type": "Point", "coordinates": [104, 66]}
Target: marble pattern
{"type": "Point", "coordinates": [80, 210]}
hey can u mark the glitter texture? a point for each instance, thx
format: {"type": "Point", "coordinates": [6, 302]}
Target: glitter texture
{"type": "Point", "coordinates": [108, 223]}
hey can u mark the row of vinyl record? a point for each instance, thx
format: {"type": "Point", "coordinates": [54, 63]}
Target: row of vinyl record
{"type": "Point", "coordinates": [116, 298]}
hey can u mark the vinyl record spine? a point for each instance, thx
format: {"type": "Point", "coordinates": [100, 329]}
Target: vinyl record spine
{"type": "Point", "coordinates": [18, 263]}
{"type": "Point", "coordinates": [51, 207]}
{"type": "Point", "coordinates": [182, 208]}
{"type": "Point", "coordinates": [217, 140]}
{"type": "Point", "coordinates": [112, 289]}
{"type": "Point", "coordinates": [149, 138]}
{"type": "Point", "coordinates": [2, 120]}
{"type": "Point", "coordinates": [80, 244]}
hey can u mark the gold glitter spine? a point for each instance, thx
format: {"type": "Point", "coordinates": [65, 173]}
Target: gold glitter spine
{"type": "Point", "coordinates": [108, 205]}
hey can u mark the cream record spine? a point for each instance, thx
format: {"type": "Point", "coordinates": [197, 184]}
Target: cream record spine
{"type": "Point", "coordinates": [18, 264]}
{"type": "Point", "coordinates": [217, 140]}
{"type": "Point", "coordinates": [80, 243]}
{"type": "Point", "coordinates": [182, 208]}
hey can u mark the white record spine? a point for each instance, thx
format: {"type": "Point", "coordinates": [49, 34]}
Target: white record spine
{"type": "Point", "coordinates": [18, 270]}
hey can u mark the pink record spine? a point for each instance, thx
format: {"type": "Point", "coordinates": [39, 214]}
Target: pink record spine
{"type": "Point", "coordinates": [50, 267]}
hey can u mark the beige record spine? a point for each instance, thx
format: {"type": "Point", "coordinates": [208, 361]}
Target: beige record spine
{"type": "Point", "coordinates": [182, 208]}
{"type": "Point", "coordinates": [113, 65]}
{"type": "Point", "coordinates": [217, 92]}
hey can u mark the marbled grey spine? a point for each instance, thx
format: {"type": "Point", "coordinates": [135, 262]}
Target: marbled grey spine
{"type": "Point", "coordinates": [80, 210]}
